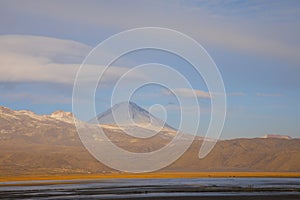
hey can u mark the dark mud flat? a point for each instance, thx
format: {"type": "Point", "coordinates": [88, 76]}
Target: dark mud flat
{"type": "Point", "coordinates": [151, 196]}
{"type": "Point", "coordinates": [271, 197]}
{"type": "Point", "coordinates": [152, 189]}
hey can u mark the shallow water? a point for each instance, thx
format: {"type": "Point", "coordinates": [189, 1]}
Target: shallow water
{"type": "Point", "coordinates": [151, 188]}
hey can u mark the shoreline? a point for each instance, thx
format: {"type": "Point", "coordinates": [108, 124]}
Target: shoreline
{"type": "Point", "coordinates": [162, 175]}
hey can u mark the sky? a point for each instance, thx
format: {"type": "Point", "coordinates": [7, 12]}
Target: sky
{"type": "Point", "coordinates": [255, 45]}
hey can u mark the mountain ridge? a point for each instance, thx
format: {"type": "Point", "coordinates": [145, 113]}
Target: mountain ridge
{"type": "Point", "coordinates": [39, 144]}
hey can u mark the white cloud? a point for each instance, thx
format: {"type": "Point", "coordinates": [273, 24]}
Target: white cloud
{"type": "Point", "coordinates": [53, 49]}
{"type": "Point", "coordinates": [187, 92]}
{"type": "Point", "coordinates": [44, 59]}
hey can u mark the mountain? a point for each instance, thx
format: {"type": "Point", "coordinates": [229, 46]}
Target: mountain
{"type": "Point", "coordinates": [49, 144]}
{"type": "Point", "coordinates": [129, 114]}
{"type": "Point", "coordinates": [132, 119]}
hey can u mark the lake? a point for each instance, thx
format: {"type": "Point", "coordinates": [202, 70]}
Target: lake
{"type": "Point", "coordinates": [196, 188]}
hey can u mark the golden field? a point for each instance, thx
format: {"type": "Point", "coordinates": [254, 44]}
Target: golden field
{"type": "Point", "coordinates": [153, 175]}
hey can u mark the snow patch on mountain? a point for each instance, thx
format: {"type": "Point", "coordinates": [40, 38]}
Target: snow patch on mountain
{"type": "Point", "coordinates": [30, 114]}
{"type": "Point", "coordinates": [63, 116]}
{"type": "Point", "coordinates": [277, 136]}
{"type": "Point", "coordinates": [6, 113]}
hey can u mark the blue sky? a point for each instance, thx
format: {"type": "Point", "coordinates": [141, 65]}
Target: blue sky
{"type": "Point", "coordinates": [255, 45]}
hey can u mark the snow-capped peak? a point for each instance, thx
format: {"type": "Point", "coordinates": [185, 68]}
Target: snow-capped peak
{"type": "Point", "coordinates": [133, 119]}
{"type": "Point", "coordinates": [63, 116]}
{"type": "Point", "coordinates": [277, 136]}
{"type": "Point", "coordinates": [129, 114]}
{"type": "Point", "coordinates": [27, 112]}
